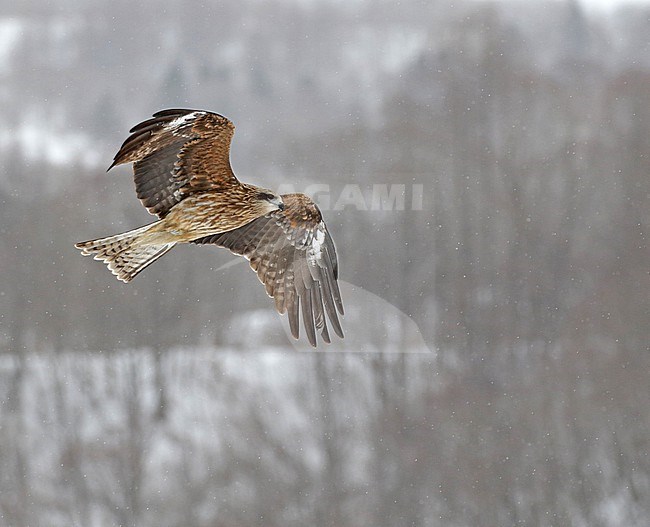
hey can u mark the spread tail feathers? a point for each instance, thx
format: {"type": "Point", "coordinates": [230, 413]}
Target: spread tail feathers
{"type": "Point", "coordinates": [125, 254]}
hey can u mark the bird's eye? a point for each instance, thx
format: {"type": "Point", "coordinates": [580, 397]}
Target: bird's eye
{"type": "Point", "coordinates": [266, 196]}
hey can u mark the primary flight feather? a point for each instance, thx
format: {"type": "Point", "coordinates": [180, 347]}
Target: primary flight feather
{"type": "Point", "coordinates": [181, 166]}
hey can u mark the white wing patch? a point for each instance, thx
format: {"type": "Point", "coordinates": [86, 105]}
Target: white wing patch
{"type": "Point", "coordinates": [178, 123]}
{"type": "Point", "coordinates": [317, 242]}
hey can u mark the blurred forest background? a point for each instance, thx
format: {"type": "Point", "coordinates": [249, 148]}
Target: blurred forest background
{"type": "Point", "coordinates": [496, 366]}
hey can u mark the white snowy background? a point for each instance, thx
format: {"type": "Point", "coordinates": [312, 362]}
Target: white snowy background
{"type": "Point", "coordinates": [496, 361]}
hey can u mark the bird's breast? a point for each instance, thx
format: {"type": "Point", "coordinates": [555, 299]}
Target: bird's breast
{"type": "Point", "coordinates": [207, 213]}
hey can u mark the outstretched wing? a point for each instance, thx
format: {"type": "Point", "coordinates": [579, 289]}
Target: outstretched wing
{"type": "Point", "coordinates": [177, 153]}
{"type": "Point", "coordinates": [294, 257]}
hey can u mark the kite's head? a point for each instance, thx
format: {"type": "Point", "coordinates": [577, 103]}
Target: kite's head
{"type": "Point", "coordinates": [270, 201]}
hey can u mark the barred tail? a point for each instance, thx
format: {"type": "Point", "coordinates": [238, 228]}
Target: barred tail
{"type": "Point", "coordinates": [125, 254]}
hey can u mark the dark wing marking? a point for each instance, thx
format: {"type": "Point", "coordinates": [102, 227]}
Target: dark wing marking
{"type": "Point", "coordinates": [176, 153]}
{"type": "Point", "coordinates": [294, 257]}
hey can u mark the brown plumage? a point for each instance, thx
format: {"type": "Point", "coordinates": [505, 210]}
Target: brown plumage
{"type": "Point", "coordinates": [182, 175]}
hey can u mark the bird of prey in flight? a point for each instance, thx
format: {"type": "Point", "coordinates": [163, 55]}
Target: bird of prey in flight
{"type": "Point", "coordinates": [183, 176]}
